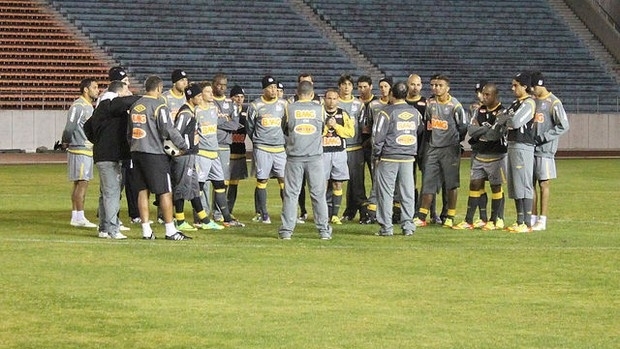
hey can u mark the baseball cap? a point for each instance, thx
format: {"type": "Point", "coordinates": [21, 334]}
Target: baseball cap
{"type": "Point", "coordinates": [178, 74]}
{"type": "Point", "coordinates": [268, 80]}
{"type": "Point", "coordinates": [237, 90]}
{"type": "Point", "coordinates": [538, 79]}
{"type": "Point", "coordinates": [524, 78]}
{"type": "Point", "coordinates": [192, 90]}
{"type": "Point", "coordinates": [117, 73]}
{"type": "Point", "coordinates": [480, 85]}
{"type": "Point", "coordinates": [386, 79]}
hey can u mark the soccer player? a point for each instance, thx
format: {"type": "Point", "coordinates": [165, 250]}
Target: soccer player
{"type": "Point", "coordinates": [550, 123]}
{"type": "Point", "coordinates": [238, 164]}
{"type": "Point", "coordinates": [280, 90]}
{"type": "Point", "coordinates": [415, 99]}
{"type": "Point", "coordinates": [518, 121]}
{"type": "Point", "coordinates": [265, 115]}
{"type": "Point", "coordinates": [175, 97]}
{"type": "Point", "coordinates": [303, 215]}
{"type": "Point", "coordinates": [364, 87]}
{"type": "Point", "coordinates": [183, 168]}
{"type": "Point", "coordinates": [488, 160]}
{"type": "Point", "coordinates": [368, 212]}
{"type": "Point", "coordinates": [448, 124]}
{"type": "Point", "coordinates": [483, 198]}
{"type": "Point", "coordinates": [208, 163]}
{"type": "Point", "coordinates": [150, 125]}
{"type": "Point", "coordinates": [338, 127]}
{"type": "Point", "coordinates": [79, 152]}
{"type": "Point", "coordinates": [303, 124]}
{"type": "Point", "coordinates": [356, 192]}
{"type": "Point", "coordinates": [227, 123]}
{"type": "Point", "coordinates": [395, 134]}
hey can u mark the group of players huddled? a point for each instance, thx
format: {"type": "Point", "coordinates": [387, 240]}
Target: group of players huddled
{"type": "Point", "coordinates": [189, 143]}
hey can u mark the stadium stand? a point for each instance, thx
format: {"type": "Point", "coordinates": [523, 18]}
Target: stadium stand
{"type": "Point", "coordinates": [42, 61]}
{"type": "Point", "coordinates": [467, 40]}
{"type": "Point", "coordinates": [474, 40]}
{"type": "Point", "coordinates": [244, 40]}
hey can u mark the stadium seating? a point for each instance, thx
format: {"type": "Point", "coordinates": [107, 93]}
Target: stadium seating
{"type": "Point", "coordinates": [474, 40]}
{"type": "Point", "coordinates": [244, 40]}
{"type": "Point", "coordinates": [42, 62]}
{"type": "Point", "coordinates": [466, 40]}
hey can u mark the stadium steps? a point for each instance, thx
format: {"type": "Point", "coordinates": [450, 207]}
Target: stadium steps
{"type": "Point", "coordinates": [337, 38]}
{"type": "Point", "coordinates": [473, 40]}
{"type": "Point", "coordinates": [589, 40]}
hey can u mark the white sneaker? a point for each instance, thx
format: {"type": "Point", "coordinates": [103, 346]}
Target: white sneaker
{"type": "Point", "coordinates": [85, 223]}
{"type": "Point", "coordinates": [539, 226]}
{"type": "Point", "coordinates": [117, 236]}
{"type": "Point", "coordinates": [123, 228]}
{"type": "Point", "coordinates": [104, 235]}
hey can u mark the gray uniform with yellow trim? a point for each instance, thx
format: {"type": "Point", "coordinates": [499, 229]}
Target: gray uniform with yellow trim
{"type": "Point", "coordinates": [395, 137]}
{"type": "Point", "coordinates": [264, 125]}
{"type": "Point", "coordinates": [79, 152]}
{"type": "Point", "coordinates": [208, 162]}
{"type": "Point", "coordinates": [303, 126]}
{"type": "Point", "coordinates": [550, 122]}
{"type": "Point", "coordinates": [174, 102]}
{"type": "Point", "coordinates": [151, 125]}
{"type": "Point", "coordinates": [228, 122]}
{"type": "Point", "coordinates": [447, 122]}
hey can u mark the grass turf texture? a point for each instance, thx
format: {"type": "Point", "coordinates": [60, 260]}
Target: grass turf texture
{"type": "Point", "coordinates": [61, 287]}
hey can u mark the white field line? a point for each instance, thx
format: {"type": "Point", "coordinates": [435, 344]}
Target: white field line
{"type": "Point", "coordinates": [277, 244]}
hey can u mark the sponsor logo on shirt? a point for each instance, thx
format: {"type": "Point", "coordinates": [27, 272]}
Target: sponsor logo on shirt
{"type": "Point", "coordinates": [305, 129]}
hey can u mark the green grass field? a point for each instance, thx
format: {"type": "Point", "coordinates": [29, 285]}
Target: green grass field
{"type": "Point", "coordinates": [61, 287]}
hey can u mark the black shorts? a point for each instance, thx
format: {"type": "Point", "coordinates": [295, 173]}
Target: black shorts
{"type": "Point", "coordinates": [152, 172]}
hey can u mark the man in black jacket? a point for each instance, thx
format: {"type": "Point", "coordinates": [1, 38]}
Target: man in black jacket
{"type": "Point", "coordinates": [107, 130]}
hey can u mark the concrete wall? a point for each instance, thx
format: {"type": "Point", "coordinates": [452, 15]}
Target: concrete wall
{"type": "Point", "coordinates": [29, 129]}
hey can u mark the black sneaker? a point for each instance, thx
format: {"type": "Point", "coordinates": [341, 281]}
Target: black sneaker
{"type": "Point", "coordinates": [178, 236]}
{"type": "Point", "coordinates": [151, 237]}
